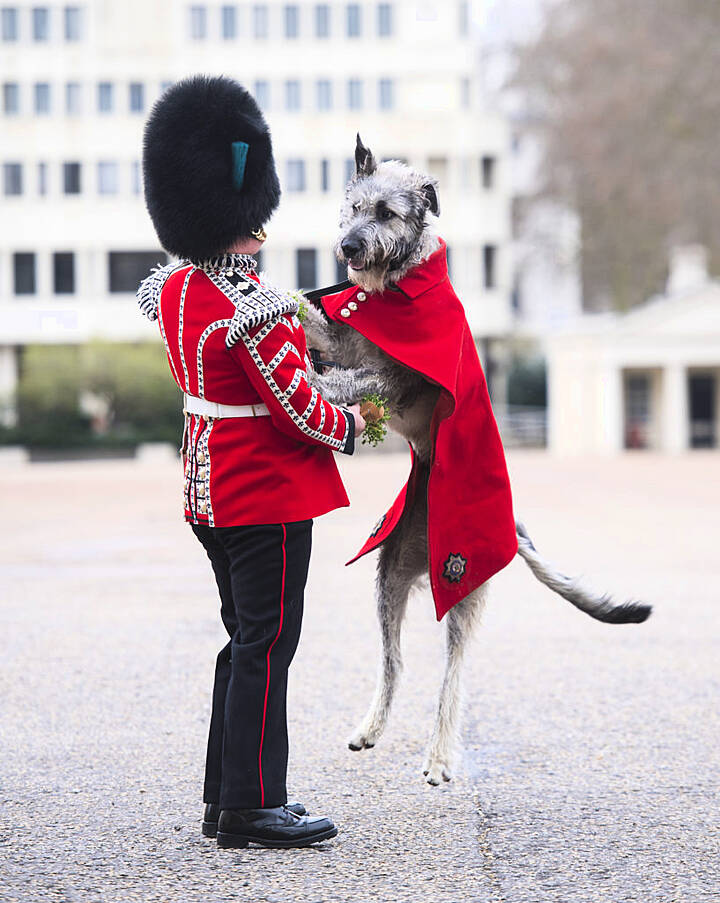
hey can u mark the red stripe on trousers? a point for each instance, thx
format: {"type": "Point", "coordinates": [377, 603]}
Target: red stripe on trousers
{"type": "Point", "coordinates": [267, 684]}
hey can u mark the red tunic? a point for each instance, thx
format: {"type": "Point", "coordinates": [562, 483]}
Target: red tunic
{"type": "Point", "coordinates": [471, 528]}
{"type": "Point", "coordinates": [242, 345]}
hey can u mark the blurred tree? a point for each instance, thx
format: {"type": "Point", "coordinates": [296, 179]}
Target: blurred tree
{"type": "Point", "coordinates": [626, 97]}
{"type": "Point", "coordinates": [135, 382]}
{"type": "Point", "coordinates": [96, 395]}
{"type": "Point", "coordinates": [50, 383]}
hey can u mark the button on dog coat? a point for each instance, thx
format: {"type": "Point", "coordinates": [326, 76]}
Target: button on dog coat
{"type": "Point", "coordinates": [471, 527]}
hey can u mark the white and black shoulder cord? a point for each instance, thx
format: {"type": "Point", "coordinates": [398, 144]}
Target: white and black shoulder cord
{"type": "Point", "coordinates": [148, 293]}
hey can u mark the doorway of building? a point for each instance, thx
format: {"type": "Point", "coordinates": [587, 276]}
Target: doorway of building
{"type": "Point", "coordinates": [702, 389]}
{"type": "Point", "coordinates": [638, 409]}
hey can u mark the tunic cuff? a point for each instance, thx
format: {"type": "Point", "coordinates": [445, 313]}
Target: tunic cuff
{"type": "Point", "coordinates": [348, 446]}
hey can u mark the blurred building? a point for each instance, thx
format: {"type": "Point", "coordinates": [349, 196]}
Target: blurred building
{"type": "Point", "coordinates": [648, 379]}
{"type": "Point", "coordinates": [78, 80]}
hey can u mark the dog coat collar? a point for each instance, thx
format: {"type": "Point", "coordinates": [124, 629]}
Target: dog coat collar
{"type": "Point", "coordinates": [425, 275]}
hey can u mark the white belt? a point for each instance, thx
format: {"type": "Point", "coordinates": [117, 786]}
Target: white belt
{"type": "Point", "coordinates": [205, 408]}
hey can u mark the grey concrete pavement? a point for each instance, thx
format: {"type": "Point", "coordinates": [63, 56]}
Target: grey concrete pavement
{"type": "Point", "coordinates": [590, 765]}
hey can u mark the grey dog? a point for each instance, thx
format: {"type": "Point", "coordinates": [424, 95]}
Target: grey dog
{"type": "Point", "coordinates": [387, 227]}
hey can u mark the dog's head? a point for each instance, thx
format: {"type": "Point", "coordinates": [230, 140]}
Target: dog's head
{"type": "Point", "coordinates": [384, 219]}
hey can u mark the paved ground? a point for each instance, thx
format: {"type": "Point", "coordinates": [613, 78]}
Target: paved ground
{"type": "Point", "coordinates": [590, 770]}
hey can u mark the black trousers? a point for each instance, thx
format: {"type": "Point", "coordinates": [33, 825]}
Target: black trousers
{"type": "Point", "coordinates": [261, 573]}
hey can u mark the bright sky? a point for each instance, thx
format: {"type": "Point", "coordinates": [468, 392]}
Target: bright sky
{"type": "Point", "coordinates": [507, 20]}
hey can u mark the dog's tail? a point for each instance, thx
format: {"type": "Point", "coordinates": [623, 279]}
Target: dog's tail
{"type": "Point", "coordinates": [601, 607]}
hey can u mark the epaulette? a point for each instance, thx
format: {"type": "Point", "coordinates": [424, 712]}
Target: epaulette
{"type": "Point", "coordinates": [255, 303]}
{"type": "Point", "coordinates": [148, 293]}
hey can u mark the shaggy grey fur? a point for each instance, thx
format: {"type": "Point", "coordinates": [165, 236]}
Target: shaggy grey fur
{"type": "Point", "coordinates": [387, 227]}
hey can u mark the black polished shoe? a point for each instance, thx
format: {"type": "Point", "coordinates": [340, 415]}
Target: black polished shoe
{"type": "Point", "coordinates": [278, 827]}
{"type": "Point", "coordinates": [212, 813]}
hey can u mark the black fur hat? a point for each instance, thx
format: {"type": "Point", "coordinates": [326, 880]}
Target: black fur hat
{"type": "Point", "coordinates": [210, 177]}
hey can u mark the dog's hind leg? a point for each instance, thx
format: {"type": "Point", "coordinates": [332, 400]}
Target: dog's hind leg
{"type": "Point", "coordinates": [460, 623]}
{"type": "Point", "coordinates": [402, 562]}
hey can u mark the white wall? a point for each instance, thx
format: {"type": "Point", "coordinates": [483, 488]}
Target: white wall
{"type": "Point", "coordinates": [149, 42]}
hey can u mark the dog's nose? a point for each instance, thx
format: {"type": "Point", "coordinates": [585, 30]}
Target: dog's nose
{"type": "Point", "coordinates": [351, 248]}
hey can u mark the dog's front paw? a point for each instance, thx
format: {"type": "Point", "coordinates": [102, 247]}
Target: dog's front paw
{"type": "Point", "coordinates": [436, 771]}
{"type": "Point", "coordinates": [362, 738]}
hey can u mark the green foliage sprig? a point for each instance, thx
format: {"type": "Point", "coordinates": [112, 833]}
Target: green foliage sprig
{"type": "Point", "coordinates": [375, 429]}
{"type": "Point", "coordinates": [302, 304]}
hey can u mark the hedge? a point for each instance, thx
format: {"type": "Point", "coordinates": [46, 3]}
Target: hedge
{"type": "Point", "coordinates": [130, 384]}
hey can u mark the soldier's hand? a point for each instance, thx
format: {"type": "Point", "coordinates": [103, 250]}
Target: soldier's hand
{"type": "Point", "coordinates": [357, 417]}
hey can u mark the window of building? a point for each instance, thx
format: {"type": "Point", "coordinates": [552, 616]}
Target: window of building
{"type": "Point", "coordinates": [105, 97]}
{"type": "Point", "coordinates": [135, 177]}
{"type": "Point", "coordinates": [24, 273]}
{"type": "Point", "coordinates": [385, 20]}
{"type": "Point", "coordinates": [260, 19]}
{"type": "Point", "coordinates": [41, 93]}
{"type": "Point", "coordinates": [349, 169]}
{"type": "Point", "coordinates": [325, 175]}
{"type": "Point", "coordinates": [306, 267]}
{"type": "Point", "coordinates": [42, 179]}
{"type": "Point", "coordinates": [262, 94]}
{"type": "Point", "coordinates": [464, 18]}
{"type": "Point", "coordinates": [198, 23]}
{"type": "Point", "coordinates": [386, 94]}
{"type": "Point", "coordinates": [638, 410]}
{"type": "Point", "coordinates": [438, 167]}
{"type": "Point", "coordinates": [354, 24]}
{"type": "Point", "coordinates": [127, 269]}
{"type": "Point", "coordinates": [40, 23]}
{"type": "Point", "coordinates": [107, 175]}
{"type": "Point", "coordinates": [73, 98]}
{"type": "Point", "coordinates": [702, 397]}
{"type": "Point", "coordinates": [324, 94]}
{"type": "Point", "coordinates": [71, 178]}
{"type": "Point", "coordinates": [516, 295]}
{"type": "Point", "coordinates": [64, 273]}
{"type": "Point", "coordinates": [9, 23]}
{"type": "Point", "coordinates": [489, 266]}
{"type": "Point", "coordinates": [449, 259]}
{"type": "Point", "coordinates": [11, 98]}
{"type": "Point", "coordinates": [466, 172]}
{"type": "Point", "coordinates": [295, 175]}
{"type": "Point", "coordinates": [12, 179]}
{"type": "Point", "coordinates": [137, 97]}
{"type": "Point", "coordinates": [465, 93]}
{"type": "Point", "coordinates": [292, 21]}
{"type": "Point", "coordinates": [355, 94]}
{"type": "Point", "coordinates": [73, 23]}
{"type": "Point", "coordinates": [164, 85]}
{"type": "Point", "coordinates": [228, 16]}
{"type": "Point", "coordinates": [322, 20]}
{"type": "Point", "coordinates": [292, 95]}
{"type": "Point", "coordinates": [488, 172]}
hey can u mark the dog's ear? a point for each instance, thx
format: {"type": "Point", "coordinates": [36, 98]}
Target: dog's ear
{"type": "Point", "coordinates": [365, 164]}
{"type": "Point", "coordinates": [431, 198]}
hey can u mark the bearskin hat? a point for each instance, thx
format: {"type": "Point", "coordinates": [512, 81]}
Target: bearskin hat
{"type": "Point", "coordinates": [208, 165]}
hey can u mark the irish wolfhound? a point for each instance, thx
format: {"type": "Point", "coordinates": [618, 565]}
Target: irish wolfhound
{"type": "Point", "coordinates": [387, 227]}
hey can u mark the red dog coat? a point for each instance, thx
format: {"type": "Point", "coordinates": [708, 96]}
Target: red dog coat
{"type": "Point", "coordinates": [471, 527]}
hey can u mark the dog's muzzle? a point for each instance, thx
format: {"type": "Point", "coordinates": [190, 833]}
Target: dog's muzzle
{"type": "Point", "coordinates": [353, 251]}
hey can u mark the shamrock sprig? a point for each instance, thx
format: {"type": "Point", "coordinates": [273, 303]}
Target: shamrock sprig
{"type": "Point", "coordinates": [375, 411]}
{"type": "Point", "coordinates": [299, 297]}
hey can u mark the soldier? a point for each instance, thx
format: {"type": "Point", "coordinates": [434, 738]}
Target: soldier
{"type": "Point", "coordinates": [258, 440]}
